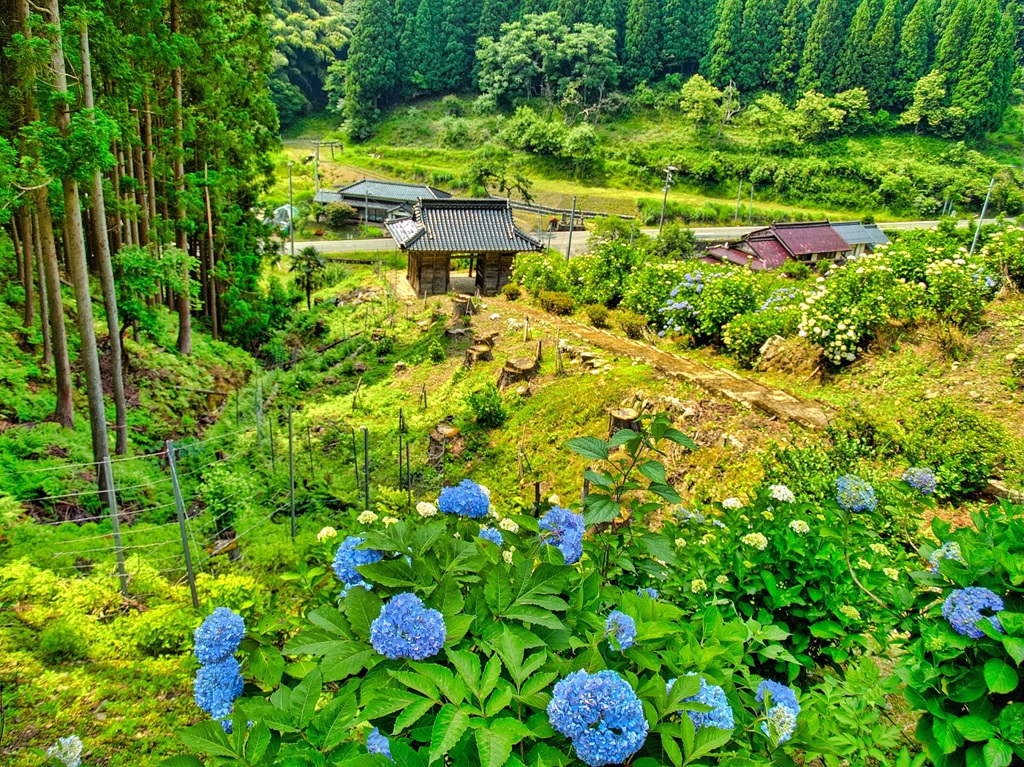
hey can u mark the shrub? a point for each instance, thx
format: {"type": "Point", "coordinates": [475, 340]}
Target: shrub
{"type": "Point", "coordinates": [597, 314]}
{"type": "Point", "coordinates": [556, 303]}
{"type": "Point", "coordinates": [706, 300]}
{"type": "Point", "coordinates": [540, 271]}
{"type": "Point", "coordinates": [454, 133]}
{"type": "Point", "coordinates": [338, 215]}
{"type": "Point", "coordinates": [601, 276]}
{"type": "Point", "coordinates": [436, 352]}
{"type": "Point", "coordinates": [648, 287]}
{"type": "Point", "coordinates": [1004, 252]}
{"type": "Point", "coordinates": [954, 343]}
{"type": "Point", "coordinates": [746, 333]}
{"type": "Point", "coordinates": [452, 106]}
{"type": "Point", "coordinates": [60, 641]}
{"type": "Point", "coordinates": [632, 324]}
{"type": "Point", "coordinates": [487, 407]}
{"type": "Point", "coordinates": [512, 291]}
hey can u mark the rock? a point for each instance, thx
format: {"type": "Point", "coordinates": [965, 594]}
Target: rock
{"type": "Point", "coordinates": [494, 316]}
{"type": "Point", "coordinates": [400, 366]}
{"type": "Point", "coordinates": [795, 356]}
{"type": "Point", "coordinates": [359, 367]}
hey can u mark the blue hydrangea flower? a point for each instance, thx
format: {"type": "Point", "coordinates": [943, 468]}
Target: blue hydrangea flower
{"type": "Point", "coordinates": [921, 479]}
{"type": "Point", "coordinates": [218, 636]}
{"type": "Point", "coordinates": [712, 695]}
{"type": "Point", "coordinates": [566, 529]}
{"type": "Point", "coordinates": [783, 710]}
{"type": "Point", "coordinates": [622, 629]}
{"type": "Point", "coordinates": [67, 750]}
{"type": "Point", "coordinates": [378, 744]}
{"type": "Point", "coordinates": [467, 499]}
{"type": "Point", "coordinates": [963, 607]}
{"type": "Point", "coordinates": [217, 686]}
{"type": "Point", "coordinates": [854, 494]}
{"type": "Point", "coordinates": [948, 550]}
{"type": "Point", "coordinates": [349, 557]}
{"type": "Point", "coordinates": [600, 714]}
{"type": "Point", "coordinates": [407, 629]}
{"type": "Point", "coordinates": [492, 535]}
{"type": "Point", "coordinates": [647, 592]}
{"type": "Point", "coordinates": [685, 515]}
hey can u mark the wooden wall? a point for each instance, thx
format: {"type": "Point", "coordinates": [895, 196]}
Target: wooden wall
{"type": "Point", "coordinates": [493, 272]}
{"type": "Point", "coordinates": [428, 272]}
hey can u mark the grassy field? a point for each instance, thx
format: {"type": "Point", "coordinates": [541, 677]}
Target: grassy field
{"type": "Point", "coordinates": [843, 178]}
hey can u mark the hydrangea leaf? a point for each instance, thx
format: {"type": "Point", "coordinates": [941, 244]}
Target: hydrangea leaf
{"type": "Point", "coordinates": [256, 742]}
{"type": "Point", "coordinates": [361, 607]}
{"type": "Point", "coordinates": [346, 659]}
{"type": "Point", "coordinates": [998, 753]}
{"type": "Point", "coordinates": [493, 746]}
{"type": "Point", "coordinates": [305, 696]}
{"type": "Point", "coordinates": [207, 738]}
{"type": "Point", "coordinates": [672, 749]}
{"type": "Point", "coordinates": [974, 728]}
{"type": "Point", "coordinates": [182, 760]}
{"type": "Point", "coordinates": [600, 509]}
{"type": "Point", "coordinates": [449, 726]}
{"type": "Point", "coordinates": [589, 447]}
{"type": "Point", "coordinates": [1000, 676]}
{"type": "Point", "coordinates": [498, 591]}
{"type": "Point", "coordinates": [384, 701]}
{"type": "Point", "coordinates": [707, 740]}
{"type": "Point", "coordinates": [334, 722]}
{"type": "Point", "coordinates": [411, 714]}
{"type": "Point", "coordinates": [266, 665]}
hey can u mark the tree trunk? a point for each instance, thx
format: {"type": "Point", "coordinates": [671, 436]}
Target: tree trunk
{"type": "Point", "coordinates": [184, 307]}
{"type": "Point", "coordinates": [44, 315]}
{"type": "Point", "coordinates": [64, 413]}
{"type": "Point", "coordinates": [140, 187]}
{"type": "Point", "coordinates": [75, 252]}
{"type": "Point", "coordinates": [106, 270]}
{"type": "Point", "coordinates": [212, 280]}
{"type": "Point", "coordinates": [23, 222]}
{"type": "Point", "coordinates": [114, 225]}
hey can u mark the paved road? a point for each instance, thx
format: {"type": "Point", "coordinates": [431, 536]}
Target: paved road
{"type": "Point", "coordinates": [560, 240]}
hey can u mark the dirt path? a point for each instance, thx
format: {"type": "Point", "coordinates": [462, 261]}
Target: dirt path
{"type": "Point", "coordinates": [725, 383]}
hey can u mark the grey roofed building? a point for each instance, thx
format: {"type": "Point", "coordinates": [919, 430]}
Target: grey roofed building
{"type": "Point", "coordinates": [380, 200]}
{"type": "Point", "coordinates": [481, 229]}
{"type": "Point", "coordinates": [860, 237]}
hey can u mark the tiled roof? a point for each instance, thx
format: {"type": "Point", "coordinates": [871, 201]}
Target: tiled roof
{"type": "Point", "coordinates": [769, 250]}
{"type": "Point", "coordinates": [856, 233]}
{"type": "Point", "coordinates": [731, 255]}
{"type": "Point", "coordinates": [462, 226]}
{"type": "Point", "coordinates": [325, 196]}
{"type": "Point", "coordinates": [392, 191]}
{"type": "Point", "coordinates": [811, 237]}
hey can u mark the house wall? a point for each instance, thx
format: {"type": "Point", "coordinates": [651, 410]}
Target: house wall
{"type": "Point", "coordinates": [428, 273]}
{"type": "Point", "coordinates": [493, 272]}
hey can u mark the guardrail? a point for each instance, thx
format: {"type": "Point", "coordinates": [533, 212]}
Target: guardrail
{"type": "Point", "coordinates": [529, 207]}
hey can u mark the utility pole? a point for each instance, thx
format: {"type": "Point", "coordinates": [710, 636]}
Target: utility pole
{"type": "Point", "coordinates": [664, 200]}
{"type": "Point", "coordinates": [316, 165]}
{"type": "Point", "coordinates": [572, 225]}
{"type": "Point", "coordinates": [984, 207]}
{"type": "Point", "coordinates": [291, 210]}
{"type": "Point", "coordinates": [739, 193]}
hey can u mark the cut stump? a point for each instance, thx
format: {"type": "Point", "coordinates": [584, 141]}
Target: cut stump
{"type": "Point", "coordinates": [623, 418]}
{"type": "Point", "coordinates": [517, 370]}
{"type": "Point", "coordinates": [463, 306]}
{"type": "Point", "coordinates": [478, 353]}
{"type": "Point", "coordinates": [440, 437]}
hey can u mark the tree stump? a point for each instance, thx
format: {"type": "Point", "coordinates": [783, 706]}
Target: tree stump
{"type": "Point", "coordinates": [440, 436]}
{"type": "Point", "coordinates": [622, 418]}
{"type": "Point", "coordinates": [478, 353]}
{"type": "Point", "coordinates": [517, 370]}
{"type": "Point", "coordinates": [486, 338]}
{"type": "Point", "coordinates": [463, 306]}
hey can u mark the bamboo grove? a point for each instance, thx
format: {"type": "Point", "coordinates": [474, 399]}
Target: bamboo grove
{"type": "Point", "coordinates": [134, 142]}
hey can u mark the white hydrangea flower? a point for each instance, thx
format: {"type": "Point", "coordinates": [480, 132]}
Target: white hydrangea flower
{"type": "Point", "coordinates": [508, 525]}
{"type": "Point", "coordinates": [425, 509]}
{"type": "Point", "coordinates": [850, 612]}
{"type": "Point", "coordinates": [389, 521]}
{"type": "Point", "coordinates": [554, 500]}
{"type": "Point", "coordinates": [366, 518]}
{"type": "Point", "coordinates": [732, 503]}
{"type": "Point", "coordinates": [863, 564]}
{"type": "Point", "coordinates": [881, 549]}
{"type": "Point", "coordinates": [892, 573]}
{"type": "Point", "coordinates": [799, 526]}
{"type": "Point", "coordinates": [782, 493]}
{"type": "Point", "coordinates": [768, 515]}
{"type": "Point", "coordinates": [507, 554]}
{"type": "Point", "coordinates": [680, 543]}
{"type": "Point", "coordinates": [485, 490]}
{"type": "Point", "coordinates": [492, 512]}
{"type": "Point", "coordinates": [722, 580]}
{"type": "Point", "coordinates": [698, 586]}
{"type": "Point", "coordinates": [325, 533]}
{"type": "Point", "coordinates": [757, 540]}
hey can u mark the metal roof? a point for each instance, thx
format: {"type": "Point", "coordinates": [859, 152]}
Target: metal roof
{"type": "Point", "coordinates": [769, 250]}
{"type": "Point", "coordinates": [804, 238]}
{"type": "Point", "coordinates": [856, 233]}
{"type": "Point", "coordinates": [391, 191]}
{"type": "Point", "coordinates": [731, 255]}
{"type": "Point", "coordinates": [462, 226]}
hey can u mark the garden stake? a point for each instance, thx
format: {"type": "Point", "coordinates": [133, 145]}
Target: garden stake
{"type": "Point", "coordinates": [309, 444]}
{"type": "Point", "coordinates": [179, 503]}
{"type": "Point", "coordinates": [366, 464]}
{"type": "Point", "coordinates": [116, 523]}
{"type": "Point", "coordinates": [273, 458]}
{"type": "Point", "coordinates": [355, 458]}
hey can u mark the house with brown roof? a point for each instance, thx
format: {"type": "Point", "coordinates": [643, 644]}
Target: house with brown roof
{"type": "Point", "coordinates": [483, 230]}
{"type": "Point", "coordinates": [769, 248]}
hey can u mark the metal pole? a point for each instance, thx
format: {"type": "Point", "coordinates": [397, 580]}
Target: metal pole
{"type": "Point", "coordinates": [984, 207]}
{"type": "Point", "coordinates": [291, 210]}
{"type": "Point", "coordinates": [316, 166]}
{"type": "Point", "coordinates": [179, 502]}
{"type": "Point", "coordinates": [739, 193]}
{"type": "Point", "coordinates": [750, 210]}
{"type": "Point", "coordinates": [259, 414]}
{"type": "Point", "coordinates": [366, 464]}
{"type": "Point", "coordinates": [664, 202]}
{"type": "Point", "coordinates": [116, 522]}
{"type": "Point", "coordinates": [408, 473]}
{"type": "Point", "coordinates": [572, 225]}
{"type": "Point", "coordinates": [355, 459]}
{"type": "Point", "coordinates": [632, 232]}
{"type": "Point", "coordinates": [291, 470]}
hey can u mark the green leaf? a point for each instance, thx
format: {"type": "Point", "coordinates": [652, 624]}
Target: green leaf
{"type": "Point", "coordinates": [493, 746]}
{"type": "Point", "coordinates": [998, 754]}
{"type": "Point", "coordinates": [654, 471]}
{"type": "Point", "coordinates": [450, 724]}
{"type": "Point", "coordinates": [267, 665]}
{"type": "Point", "coordinates": [537, 615]}
{"type": "Point", "coordinates": [184, 760]}
{"type": "Point", "coordinates": [256, 742]}
{"type": "Point", "coordinates": [334, 721]}
{"type": "Point", "coordinates": [411, 714]}
{"type": "Point", "coordinates": [665, 492]}
{"type": "Point", "coordinates": [208, 738]}
{"type": "Point", "coordinates": [304, 698]}
{"type": "Point", "coordinates": [346, 659]}
{"type": "Point", "coordinates": [600, 479]}
{"type": "Point", "coordinates": [707, 740]}
{"type": "Point", "coordinates": [1000, 676]}
{"type": "Point", "coordinates": [946, 736]}
{"type": "Point", "coordinates": [674, 435]}
{"type": "Point", "coordinates": [498, 590]}
{"type": "Point", "coordinates": [361, 607]}
{"type": "Point", "coordinates": [589, 447]}
{"type": "Point", "coordinates": [974, 728]}
{"type": "Point", "coordinates": [1014, 648]}
{"type": "Point", "coordinates": [600, 509]}
{"type": "Point", "coordinates": [621, 437]}
{"type": "Point", "coordinates": [675, 755]}
{"type": "Point", "coordinates": [386, 701]}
